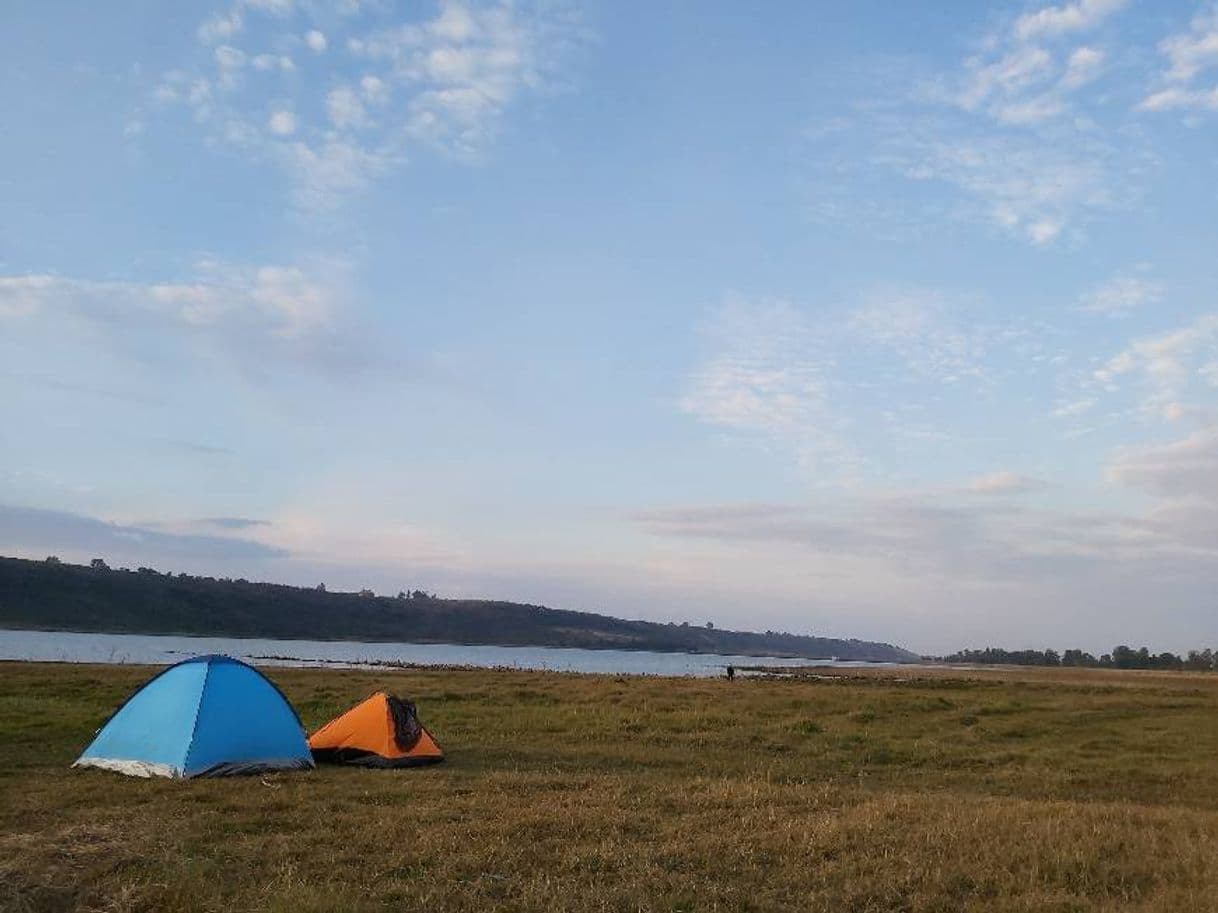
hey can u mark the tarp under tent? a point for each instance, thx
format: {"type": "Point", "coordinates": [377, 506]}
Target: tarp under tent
{"type": "Point", "coordinates": [209, 716]}
{"type": "Point", "coordinates": [383, 731]}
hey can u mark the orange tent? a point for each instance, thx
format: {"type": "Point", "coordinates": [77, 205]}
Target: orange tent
{"type": "Point", "coordinates": [383, 731]}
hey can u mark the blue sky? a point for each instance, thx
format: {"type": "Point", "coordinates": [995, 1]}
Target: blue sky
{"type": "Point", "coordinates": [891, 321]}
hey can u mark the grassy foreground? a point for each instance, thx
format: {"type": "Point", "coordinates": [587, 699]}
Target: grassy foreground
{"type": "Point", "coordinates": [901, 791]}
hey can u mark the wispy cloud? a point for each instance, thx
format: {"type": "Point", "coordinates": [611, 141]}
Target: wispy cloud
{"type": "Point", "coordinates": [1038, 186]}
{"type": "Point", "coordinates": [1182, 476]}
{"type": "Point", "coordinates": [1121, 295]}
{"type": "Point", "coordinates": [249, 313]}
{"type": "Point", "coordinates": [921, 535]}
{"type": "Point", "coordinates": [25, 528]}
{"type": "Point", "coordinates": [1004, 482]}
{"type": "Point", "coordinates": [765, 373]}
{"type": "Point", "coordinates": [1167, 369]}
{"type": "Point", "coordinates": [201, 448]}
{"type": "Point", "coordinates": [1186, 468]}
{"type": "Point", "coordinates": [918, 327]}
{"type": "Point", "coordinates": [1070, 408]}
{"type": "Point", "coordinates": [1036, 178]}
{"type": "Point", "coordinates": [1082, 66]}
{"type": "Point", "coordinates": [1028, 73]}
{"type": "Point", "coordinates": [341, 108]}
{"type": "Point", "coordinates": [795, 375]}
{"type": "Point", "coordinates": [1019, 130]}
{"type": "Point", "coordinates": [234, 522]}
{"type": "Point", "coordinates": [1192, 55]}
{"type": "Point", "coordinates": [1057, 21]}
{"type": "Point", "coordinates": [117, 394]}
{"type": "Point", "coordinates": [459, 72]}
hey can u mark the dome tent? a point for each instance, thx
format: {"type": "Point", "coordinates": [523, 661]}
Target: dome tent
{"type": "Point", "coordinates": [208, 716]}
{"type": "Point", "coordinates": [382, 731]}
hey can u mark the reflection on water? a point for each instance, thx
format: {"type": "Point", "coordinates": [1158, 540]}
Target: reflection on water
{"type": "Point", "coordinates": [153, 649]}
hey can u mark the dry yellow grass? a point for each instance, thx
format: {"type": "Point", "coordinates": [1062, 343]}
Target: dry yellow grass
{"type": "Point", "coordinates": [935, 790]}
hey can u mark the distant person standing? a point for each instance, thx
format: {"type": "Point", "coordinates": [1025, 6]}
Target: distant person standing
{"type": "Point", "coordinates": [731, 673]}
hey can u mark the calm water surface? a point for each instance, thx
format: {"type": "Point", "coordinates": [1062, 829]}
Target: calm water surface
{"type": "Point", "coordinates": [153, 649]}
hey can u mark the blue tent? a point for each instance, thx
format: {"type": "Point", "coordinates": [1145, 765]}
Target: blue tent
{"type": "Point", "coordinates": [206, 717]}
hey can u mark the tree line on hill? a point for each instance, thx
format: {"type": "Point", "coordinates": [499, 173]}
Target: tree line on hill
{"type": "Point", "coordinates": [56, 595]}
{"type": "Point", "coordinates": [1121, 657]}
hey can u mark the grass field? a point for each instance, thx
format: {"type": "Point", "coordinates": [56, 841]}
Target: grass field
{"type": "Point", "coordinates": [895, 791]}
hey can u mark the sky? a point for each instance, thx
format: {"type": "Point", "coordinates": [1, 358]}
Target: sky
{"type": "Point", "coordinates": [876, 320]}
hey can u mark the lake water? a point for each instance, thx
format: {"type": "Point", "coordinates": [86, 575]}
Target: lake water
{"type": "Point", "coordinates": [153, 649]}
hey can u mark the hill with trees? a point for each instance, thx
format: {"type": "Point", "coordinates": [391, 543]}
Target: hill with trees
{"type": "Point", "coordinates": [1121, 657]}
{"type": "Point", "coordinates": [53, 595]}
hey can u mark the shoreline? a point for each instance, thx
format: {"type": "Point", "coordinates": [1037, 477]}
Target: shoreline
{"type": "Point", "coordinates": [448, 643]}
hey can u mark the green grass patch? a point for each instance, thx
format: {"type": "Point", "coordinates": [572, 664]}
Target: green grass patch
{"type": "Point", "coordinates": [899, 791]}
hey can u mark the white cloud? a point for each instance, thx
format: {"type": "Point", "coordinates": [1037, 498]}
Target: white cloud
{"type": "Point", "coordinates": [1196, 50]}
{"type": "Point", "coordinates": [1183, 469]}
{"type": "Point", "coordinates": [220, 28]}
{"type": "Point", "coordinates": [1189, 55]}
{"type": "Point", "coordinates": [958, 541]}
{"type": "Point", "coordinates": [229, 58]}
{"type": "Point", "coordinates": [21, 296]}
{"type": "Point", "coordinates": [328, 172]}
{"type": "Point", "coordinates": [1019, 82]}
{"type": "Point", "coordinates": [916, 325]}
{"type": "Point", "coordinates": [345, 109]}
{"type": "Point", "coordinates": [1074, 407]}
{"type": "Point", "coordinates": [1169, 99]}
{"type": "Point", "coordinates": [1011, 131]}
{"type": "Point", "coordinates": [463, 69]}
{"type": "Point", "coordinates": [1054, 21]}
{"type": "Point", "coordinates": [1083, 65]}
{"type": "Point", "coordinates": [1017, 70]}
{"type": "Point", "coordinates": [267, 62]}
{"type": "Point", "coordinates": [279, 8]}
{"type": "Point", "coordinates": [374, 89]}
{"type": "Point", "coordinates": [316, 41]}
{"type": "Point", "coordinates": [445, 80]}
{"type": "Point", "coordinates": [456, 23]}
{"type": "Point", "coordinates": [282, 123]}
{"type": "Point", "coordinates": [1121, 295]}
{"type": "Point", "coordinates": [1004, 482]}
{"type": "Point", "coordinates": [1043, 231]}
{"type": "Point", "coordinates": [1168, 367]}
{"type": "Point", "coordinates": [794, 377]}
{"type": "Point", "coordinates": [764, 374]}
{"type": "Point", "coordinates": [1031, 111]}
{"type": "Point", "coordinates": [230, 62]}
{"type": "Point", "coordinates": [1027, 186]}
{"type": "Point", "coordinates": [242, 311]}
{"type": "Point", "coordinates": [298, 302]}
{"type": "Point", "coordinates": [1082, 579]}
